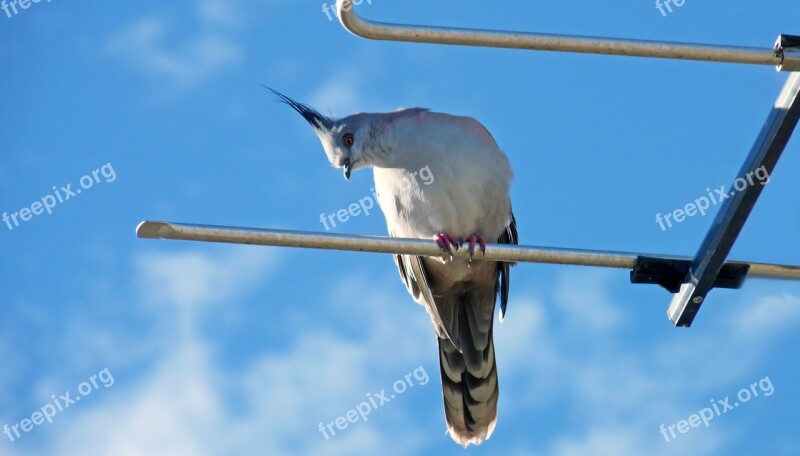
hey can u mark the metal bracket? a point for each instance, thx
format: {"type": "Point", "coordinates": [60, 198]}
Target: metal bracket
{"type": "Point", "coordinates": [669, 273]}
{"type": "Point", "coordinates": [788, 48]}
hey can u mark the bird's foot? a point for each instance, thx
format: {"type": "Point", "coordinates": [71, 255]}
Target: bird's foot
{"type": "Point", "coordinates": [447, 243]}
{"type": "Point", "coordinates": [473, 241]}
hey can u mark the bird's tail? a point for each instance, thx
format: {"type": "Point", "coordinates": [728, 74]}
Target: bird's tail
{"type": "Point", "coordinates": [469, 383]}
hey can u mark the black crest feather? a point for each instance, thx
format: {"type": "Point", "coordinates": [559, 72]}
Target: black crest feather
{"type": "Point", "coordinates": [312, 116]}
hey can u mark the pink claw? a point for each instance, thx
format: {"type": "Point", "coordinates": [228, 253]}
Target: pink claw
{"type": "Point", "coordinates": [475, 240]}
{"type": "Point", "coordinates": [446, 242]}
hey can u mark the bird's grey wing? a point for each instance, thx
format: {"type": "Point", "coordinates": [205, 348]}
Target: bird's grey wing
{"type": "Point", "coordinates": [504, 278]}
{"type": "Point", "coordinates": [407, 275]}
{"type": "Point", "coordinates": [414, 275]}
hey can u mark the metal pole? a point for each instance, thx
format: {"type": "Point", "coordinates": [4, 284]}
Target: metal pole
{"type": "Point", "coordinates": [736, 209]}
{"type": "Point", "coordinates": [564, 43]}
{"type": "Point", "coordinates": [422, 247]}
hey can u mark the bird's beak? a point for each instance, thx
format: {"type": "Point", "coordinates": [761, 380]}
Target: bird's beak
{"type": "Point", "coordinates": [347, 169]}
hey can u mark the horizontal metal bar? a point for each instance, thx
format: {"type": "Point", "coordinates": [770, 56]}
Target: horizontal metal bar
{"type": "Point", "coordinates": [422, 247]}
{"type": "Point", "coordinates": [563, 43]}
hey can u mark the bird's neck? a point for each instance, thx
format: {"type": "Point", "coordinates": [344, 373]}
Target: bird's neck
{"type": "Point", "coordinates": [394, 142]}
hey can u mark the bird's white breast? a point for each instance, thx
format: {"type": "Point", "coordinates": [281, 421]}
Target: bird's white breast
{"type": "Point", "coordinates": [467, 190]}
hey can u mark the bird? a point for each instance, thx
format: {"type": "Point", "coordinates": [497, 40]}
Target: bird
{"type": "Point", "coordinates": [465, 202]}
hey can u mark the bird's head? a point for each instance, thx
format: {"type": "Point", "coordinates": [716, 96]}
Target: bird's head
{"type": "Point", "coordinates": [344, 140]}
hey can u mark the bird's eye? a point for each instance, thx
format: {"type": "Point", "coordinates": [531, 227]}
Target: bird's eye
{"type": "Point", "coordinates": [347, 140]}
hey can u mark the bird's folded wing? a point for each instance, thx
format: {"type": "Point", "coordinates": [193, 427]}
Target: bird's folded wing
{"type": "Point", "coordinates": [504, 278]}
{"type": "Point", "coordinates": [413, 273]}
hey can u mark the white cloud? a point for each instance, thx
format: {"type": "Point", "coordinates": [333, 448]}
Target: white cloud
{"type": "Point", "coordinates": [526, 355]}
{"type": "Point", "coordinates": [320, 378]}
{"type": "Point", "coordinates": [11, 360]}
{"type": "Point", "coordinates": [615, 396]}
{"type": "Point", "coordinates": [193, 278]}
{"type": "Point", "coordinates": [219, 12]}
{"type": "Point", "coordinates": [630, 440]}
{"type": "Point", "coordinates": [188, 404]}
{"type": "Point", "coordinates": [143, 46]}
{"type": "Point", "coordinates": [340, 95]}
{"type": "Point", "coordinates": [602, 441]}
{"type": "Point", "coordinates": [769, 313]}
{"type": "Point", "coordinates": [174, 410]}
{"type": "Point", "coordinates": [612, 396]}
{"type": "Point", "coordinates": [584, 300]}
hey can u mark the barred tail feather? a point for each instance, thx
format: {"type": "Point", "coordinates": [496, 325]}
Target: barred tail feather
{"type": "Point", "coordinates": [470, 389]}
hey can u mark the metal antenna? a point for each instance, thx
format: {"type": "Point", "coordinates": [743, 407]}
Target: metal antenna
{"type": "Point", "coordinates": [689, 278]}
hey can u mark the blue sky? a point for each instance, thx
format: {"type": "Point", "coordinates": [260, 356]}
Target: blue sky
{"type": "Point", "coordinates": [218, 349]}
